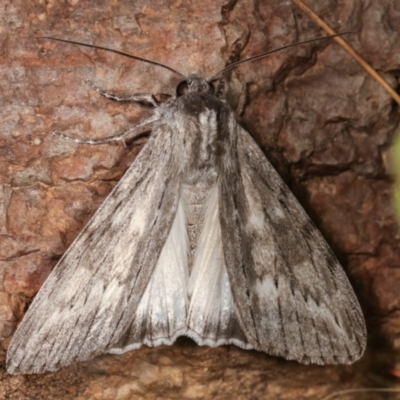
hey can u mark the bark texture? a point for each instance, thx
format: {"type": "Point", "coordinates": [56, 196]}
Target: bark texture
{"type": "Point", "coordinates": [323, 122]}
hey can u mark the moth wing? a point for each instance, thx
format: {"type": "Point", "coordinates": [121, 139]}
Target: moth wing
{"type": "Point", "coordinates": [212, 319]}
{"type": "Point", "coordinates": [160, 316]}
{"type": "Point", "coordinates": [90, 299]}
{"type": "Point", "coordinates": [292, 297]}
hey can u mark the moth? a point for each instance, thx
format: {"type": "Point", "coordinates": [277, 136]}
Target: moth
{"type": "Point", "coordinates": [201, 237]}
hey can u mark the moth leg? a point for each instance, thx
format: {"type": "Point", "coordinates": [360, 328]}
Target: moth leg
{"type": "Point", "coordinates": [140, 128]}
{"type": "Point", "coordinates": [146, 98]}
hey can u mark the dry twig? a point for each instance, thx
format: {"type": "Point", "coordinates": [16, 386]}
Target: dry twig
{"type": "Point", "coordinates": [349, 49]}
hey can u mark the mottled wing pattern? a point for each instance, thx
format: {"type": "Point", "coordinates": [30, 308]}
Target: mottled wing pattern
{"type": "Point", "coordinates": [292, 297]}
{"type": "Point", "coordinates": [89, 301]}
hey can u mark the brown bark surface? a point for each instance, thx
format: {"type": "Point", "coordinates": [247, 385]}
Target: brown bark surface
{"type": "Point", "coordinates": [323, 122]}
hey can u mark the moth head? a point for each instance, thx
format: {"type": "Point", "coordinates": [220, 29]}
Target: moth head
{"type": "Point", "coordinates": [195, 84]}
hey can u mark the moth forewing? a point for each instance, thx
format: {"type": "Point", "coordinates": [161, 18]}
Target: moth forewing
{"type": "Point", "coordinates": [304, 305]}
{"type": "Point", "coordinates": [84, 307]}
{"type": "Point", "coordinates": [202, 238]}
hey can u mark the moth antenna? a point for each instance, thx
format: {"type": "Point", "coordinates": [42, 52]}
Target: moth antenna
{"type": "Point", "coordinates": [116, 52]}
{"type": "Point", "coordinates": [266, 54]}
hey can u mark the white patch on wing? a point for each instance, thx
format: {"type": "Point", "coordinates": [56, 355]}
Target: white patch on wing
{"type": "Point", "coordinates": [277, 213]}
{"type": "Point", "coordinates": [256, 219]}
{"type": "Point", "coordinates": [108, 295]}
{"type": "Point", "coordinates": [174, 304]}
{"type": "Point", "coordinates": [267, 287]}
{"type": "Point", "coordinates": [161, 314]}
{"type": "Point", "coordinates": [164, 300]}
{"type": "Point", "coordinates": [211, 318]}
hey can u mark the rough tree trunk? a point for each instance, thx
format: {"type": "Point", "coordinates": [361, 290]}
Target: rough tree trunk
{"type": "Point", "coordinates": [323, 122]}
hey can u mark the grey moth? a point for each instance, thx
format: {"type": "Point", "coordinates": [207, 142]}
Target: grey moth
{"type": "Point", "coordinates": [201, 237]}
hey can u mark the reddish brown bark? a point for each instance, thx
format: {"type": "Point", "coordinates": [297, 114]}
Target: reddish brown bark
{"type": "Point", "coordinates": [324, 123]}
